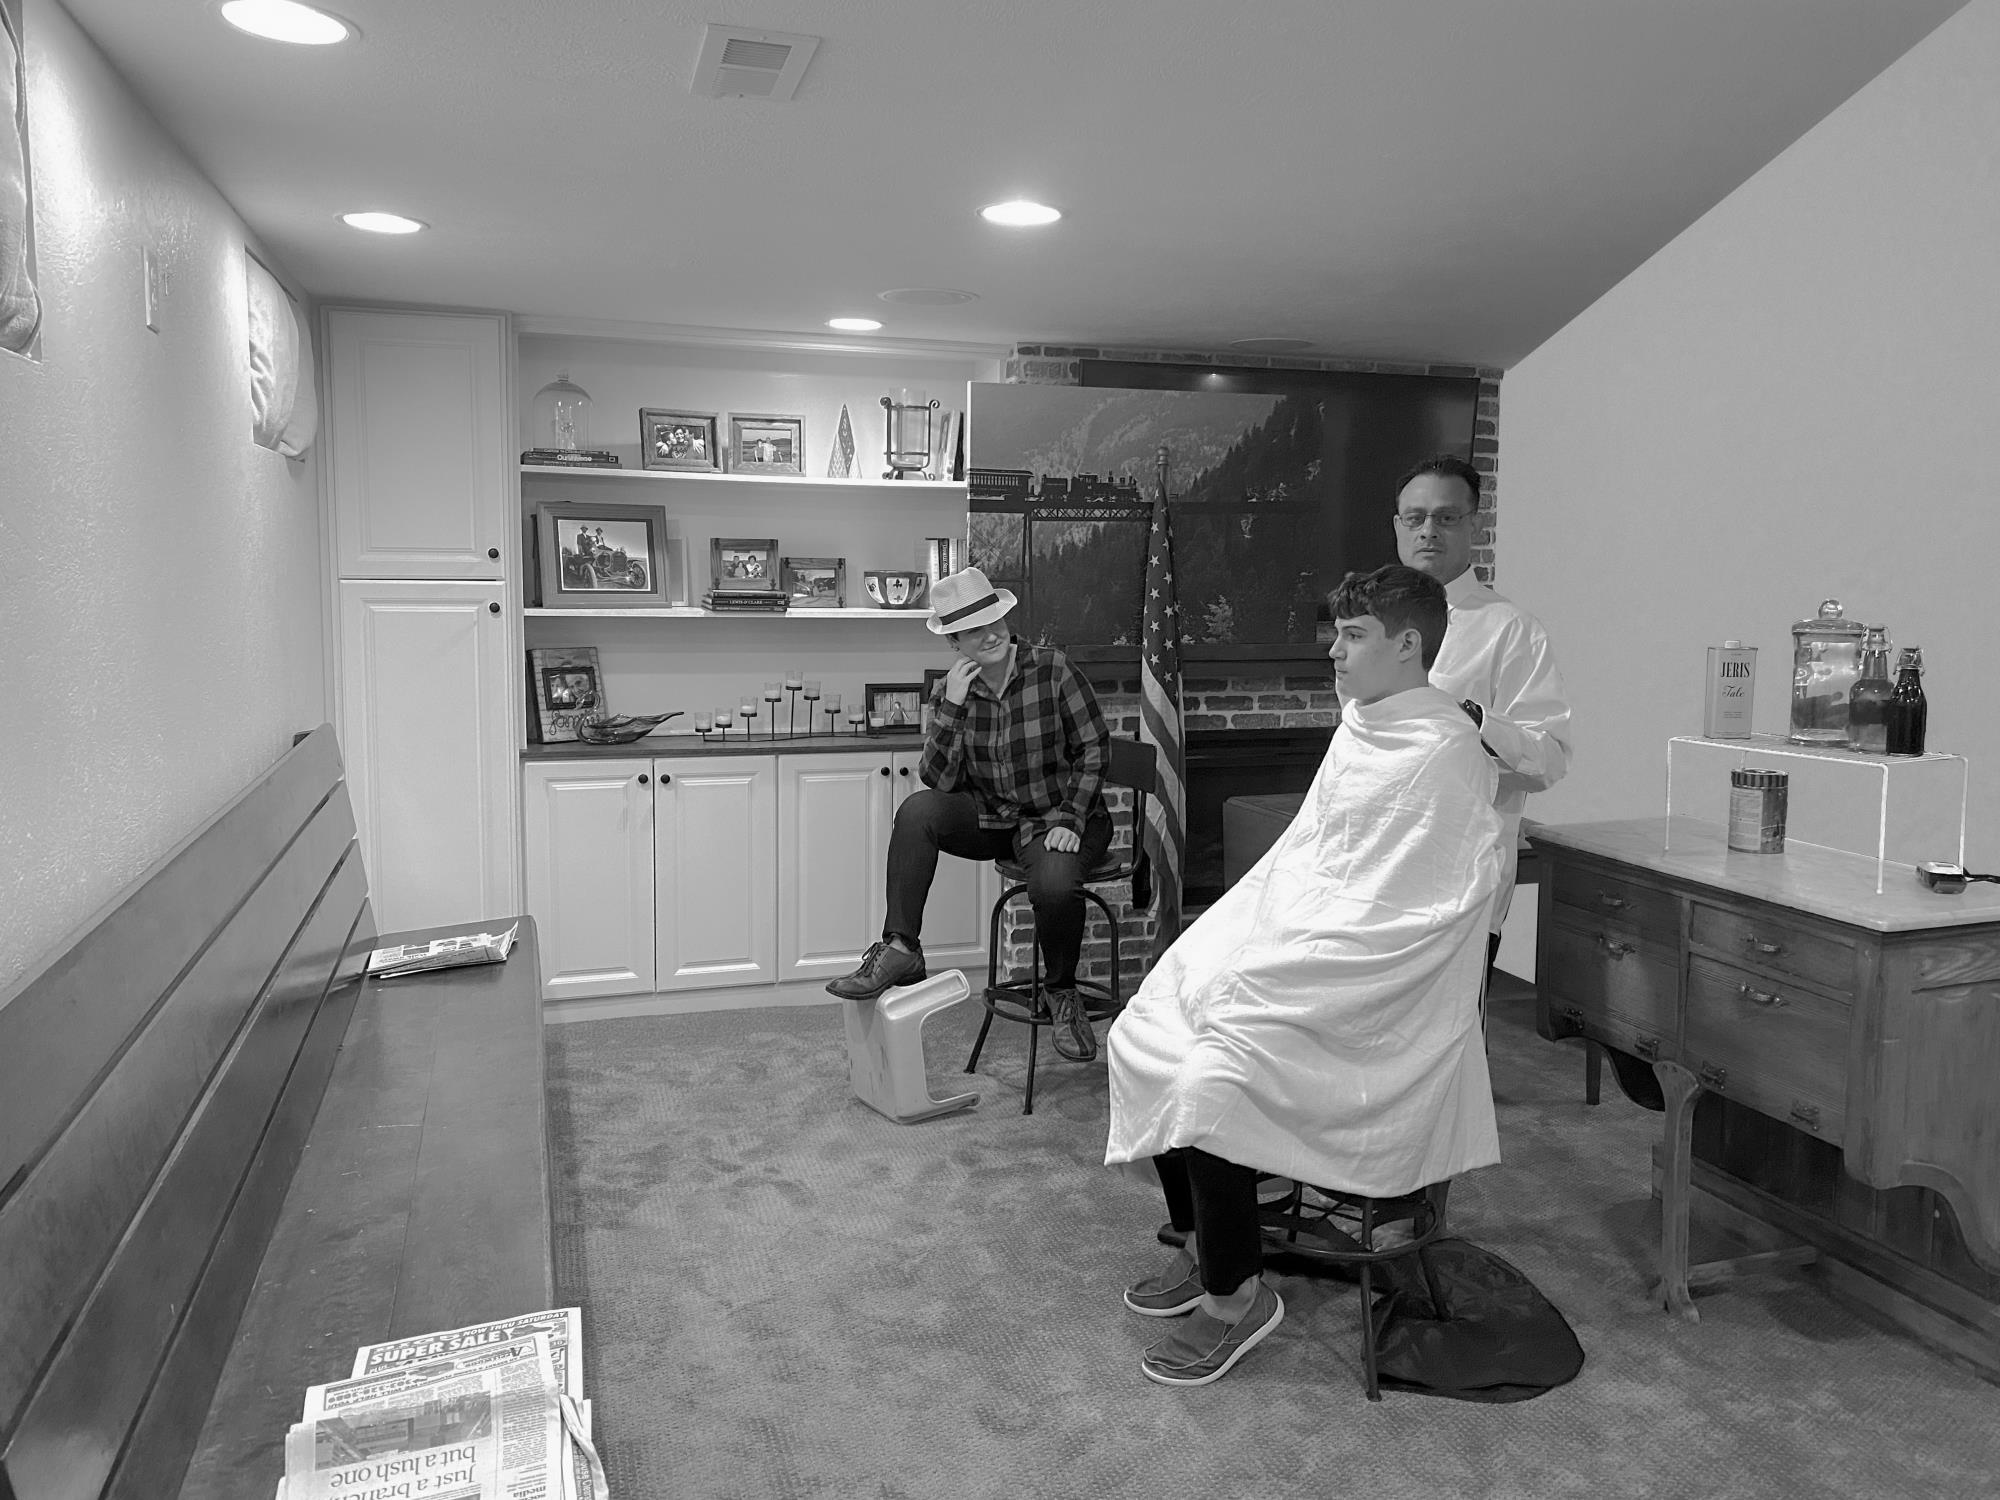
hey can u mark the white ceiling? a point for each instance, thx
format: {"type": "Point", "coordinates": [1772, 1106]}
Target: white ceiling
{"type": "Point", "coordinates": [1411, 179]}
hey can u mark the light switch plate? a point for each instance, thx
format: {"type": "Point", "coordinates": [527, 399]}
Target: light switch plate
{"type": "Point", "coordinates": [154, 281]}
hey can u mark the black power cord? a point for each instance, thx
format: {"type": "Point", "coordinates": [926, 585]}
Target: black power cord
{"type": "Point", "coordinates": [1948, 880]}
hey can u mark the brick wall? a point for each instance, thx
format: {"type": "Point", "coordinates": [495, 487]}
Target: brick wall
{"type": "Point", "coordinates": [1212, 700]}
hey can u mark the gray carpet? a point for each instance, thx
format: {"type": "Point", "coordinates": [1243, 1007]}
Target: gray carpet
{"type": "Point", "coordinates": [787, 1295]}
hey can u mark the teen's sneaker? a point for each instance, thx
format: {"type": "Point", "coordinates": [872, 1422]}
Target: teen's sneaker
{"type": "Point", "coordinates": [1071, 1029]}
{"type": "Point", "coordinates": [882, 966]}
{"type": "Point", "coordinates": [1174, 1291]}
{"type": "Point", "coordinates": [1205, 1349]}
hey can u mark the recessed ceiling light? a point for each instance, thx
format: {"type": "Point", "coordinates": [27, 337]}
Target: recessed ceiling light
{"type": "Point", "coordinates": [1019, 213]}
{"type": "Point", "coordinates": [377, 223]}
{"type": "Point", "coordinates": [854, 325]}
{"type": "Point", "coordinates": [927, 296]}
{"type": "Point", "coordinates": [286, 21]}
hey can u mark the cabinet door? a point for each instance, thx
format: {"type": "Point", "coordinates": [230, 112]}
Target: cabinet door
{"type": "Point", "coordinates": [715, 871]}
{"type": "Point", "coordinates": [962, 893]}
{"type": "Point", "coordinates": [427, 732]}
{"type": "Point", "coordinates": [417, 427]}
{"type": "Point", "coordinates": [834, 816]}
{"type": "Point", "coordinates": [588, 832]}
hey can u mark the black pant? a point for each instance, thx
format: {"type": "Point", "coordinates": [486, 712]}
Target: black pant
{"type": "Point", "coordinates": [1217, 1201]}
{"type": "Point", "coordinates": [930, 821]}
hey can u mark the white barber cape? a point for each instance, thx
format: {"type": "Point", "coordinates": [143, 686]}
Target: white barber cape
{"type": "Point", "coordinates": [1321, 1021]}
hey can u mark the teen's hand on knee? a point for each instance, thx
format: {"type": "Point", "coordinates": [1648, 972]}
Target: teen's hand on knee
{"type": "Point", "coordinates": [958, 678]}
{"type": "Point", "coordinates": [1062, 841]}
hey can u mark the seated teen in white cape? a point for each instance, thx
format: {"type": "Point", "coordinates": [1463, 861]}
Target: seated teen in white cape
{"type": "Point", "coordinates": [1321, 1021]}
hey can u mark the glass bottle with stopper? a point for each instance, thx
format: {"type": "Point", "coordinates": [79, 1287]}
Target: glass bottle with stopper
{"type": "Point", "coordinates": [1868, 701]}
{"type": "Point", "coordinates": [1826, 663]}
{"type": "Point", "coordinates": [1908, 710]}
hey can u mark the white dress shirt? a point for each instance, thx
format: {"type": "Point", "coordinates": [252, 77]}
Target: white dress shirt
{"type": "Point", "coordinates": [1498, 655]}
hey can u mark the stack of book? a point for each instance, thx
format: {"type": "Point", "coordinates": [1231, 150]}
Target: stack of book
{"type": "Point", "coordinates": [495, 1410]}
{"type": "Point", "coordinates": [573, 458]}
{"type": "Point", "coordinates": [770, 601]}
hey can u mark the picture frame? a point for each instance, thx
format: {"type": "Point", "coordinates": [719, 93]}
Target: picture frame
{"type": "Point", "coordinates": [815, 582]}
{"type": "Point", "coordinates": [609, 556]}
{"type": "Point", "coordinates": [685, 441]}
{"type": "Point", "coordinates": [894, 707]}
{"type": "Point", "coordinates": [932, 677]}
{"type": "Point", "coordinates": [565, 691]}
{"type": "Point", "coordinates": [766, 443]}
{"type": "Point", "coordinates": [736, 563]}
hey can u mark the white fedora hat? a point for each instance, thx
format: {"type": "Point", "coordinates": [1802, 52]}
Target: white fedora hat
{"type": "Point", "coordinates": [962, 601]}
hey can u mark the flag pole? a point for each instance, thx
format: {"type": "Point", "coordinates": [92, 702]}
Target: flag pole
{"type": "Point", "coordinates": [1160, 716]}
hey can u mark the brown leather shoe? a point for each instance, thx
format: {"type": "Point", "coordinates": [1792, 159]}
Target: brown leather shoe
{"type": "Point", "coordinates": [1069, 1027]}
{"type": "Point", "coordinates": [882, 966]}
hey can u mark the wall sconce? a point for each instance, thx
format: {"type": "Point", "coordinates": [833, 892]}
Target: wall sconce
{"type": "Point", "coordinates": [906, 434]}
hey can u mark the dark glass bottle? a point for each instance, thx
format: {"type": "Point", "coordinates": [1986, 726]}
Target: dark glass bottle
{"type": "Point", "coordinates": [1907, 709]}
{"type": "Point", "coordinates": [1868, 702]}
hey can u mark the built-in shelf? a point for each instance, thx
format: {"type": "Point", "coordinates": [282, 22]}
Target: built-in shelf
{"type": "Point", "coordinates": [690, 612]}
{"type": "Point", "coordinates": [887, 486]}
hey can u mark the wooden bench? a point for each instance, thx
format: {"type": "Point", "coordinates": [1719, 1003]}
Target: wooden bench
{"type": "Point", "coordinates": [226, 1159]}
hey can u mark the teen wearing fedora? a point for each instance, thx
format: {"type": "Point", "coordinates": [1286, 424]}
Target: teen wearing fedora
{"type": "Point", "coordinates": [1013, 769]}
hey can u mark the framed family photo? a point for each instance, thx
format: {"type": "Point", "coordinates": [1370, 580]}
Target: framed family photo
{"type": "Point", "coordinates": [894, 707]}
{"type": "Point", "coordinates": [766, 443]}
{"type": "Point", "coordinates": [607, 556]}
{"type": "Point", "coordinates": [565, 691]}
{"type": "Point", "coordinates": [743, 562]}
{"type": "Point", "coordinates": [684, 440]}
{"type": "Point", "coordinates": [815, 582]}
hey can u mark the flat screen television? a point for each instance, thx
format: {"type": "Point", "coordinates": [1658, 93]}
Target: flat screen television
{"type": "Point", "coordinates": [1279, 482]}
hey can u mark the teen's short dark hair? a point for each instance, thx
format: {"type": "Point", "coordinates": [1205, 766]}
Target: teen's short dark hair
{"type": "Point", "coordinates": [1401, 598]}
{"type": "Point", "coordinates": [1444, 463]}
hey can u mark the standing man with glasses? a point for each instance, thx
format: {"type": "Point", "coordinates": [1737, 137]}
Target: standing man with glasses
{"type": "Point", "coordinates": [1496, 657]}
{"type": "Point", "coordinates": [1013, 768]}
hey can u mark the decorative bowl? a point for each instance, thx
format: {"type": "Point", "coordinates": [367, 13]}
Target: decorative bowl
{"type": "Point", "coordinates": [622, 729]}
{"type": "Point", "coordinates": [896, 588]}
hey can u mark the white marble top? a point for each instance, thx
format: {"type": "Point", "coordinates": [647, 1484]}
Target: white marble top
{"type": "Point", "coordinates": [1826, 882]}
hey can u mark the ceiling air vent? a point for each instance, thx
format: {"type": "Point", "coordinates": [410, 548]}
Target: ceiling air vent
{"type": "Point", "coordinates": [736, 62]}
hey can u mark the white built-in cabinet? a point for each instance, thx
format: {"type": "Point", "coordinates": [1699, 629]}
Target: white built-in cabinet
{"type": "Point", "coordinates": [716, 872]}
{"type": "Point", "coordinates": [421, 501]}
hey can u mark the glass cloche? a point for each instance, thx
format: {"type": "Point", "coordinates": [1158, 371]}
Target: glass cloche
{"type": "Point", "coordinates": [561, 416]}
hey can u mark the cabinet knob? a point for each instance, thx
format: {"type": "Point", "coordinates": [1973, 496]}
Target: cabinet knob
{"type": "Point", "coordinates": [494, 553]}
{"type": "Point", "coordinates": [664, 778]}
{"type": "Point", "coordinates": [885, 770]}
{"type": "Point", "coordinates": [902, 770]}
{"type": "Point", "coordinates": [493, 609]}
{"type": "Point", "coordinates": [642, 778]}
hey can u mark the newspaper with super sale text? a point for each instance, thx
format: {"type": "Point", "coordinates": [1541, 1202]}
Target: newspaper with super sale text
{"type": "Point", "coordinates": [442, 953]}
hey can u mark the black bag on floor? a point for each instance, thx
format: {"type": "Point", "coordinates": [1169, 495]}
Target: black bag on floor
{"type": "Point", "coordinates": [1496, 1339]}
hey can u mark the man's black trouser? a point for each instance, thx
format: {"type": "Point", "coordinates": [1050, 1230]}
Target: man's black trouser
{"type": "Point", "coordinates": [1217, 1201]}
{"type": "Point", "coordinates": [930, 822]}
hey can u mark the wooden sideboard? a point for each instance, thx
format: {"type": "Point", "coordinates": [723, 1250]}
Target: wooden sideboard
{"type": "Point", "coordinates": [1784, 986]}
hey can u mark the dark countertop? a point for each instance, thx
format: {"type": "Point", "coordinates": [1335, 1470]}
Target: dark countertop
{"type": "Point", "coordinates": [654, 745]}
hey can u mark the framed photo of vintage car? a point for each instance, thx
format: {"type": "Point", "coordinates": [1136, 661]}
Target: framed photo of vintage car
{"type": "Point", "coordinates": [607, 556]}
{"type": "Point", "coordinates": [743, 562]}
{"type": "Point", "coordinates": [766, 443]}
{"type": "Point", "coordinates": [894, 707]}
{"type": "Point", "coordinates": [815, 582]}
{"type": "Point", "coordinates": [684, 440]}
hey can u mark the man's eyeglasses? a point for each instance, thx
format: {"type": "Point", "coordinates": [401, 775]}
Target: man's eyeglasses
{"type": "Point", "coordinates": [1447, 520]}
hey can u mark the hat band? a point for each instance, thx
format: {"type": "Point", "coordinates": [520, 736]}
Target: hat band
{"type": "Point", "coordinates": [971, 609]}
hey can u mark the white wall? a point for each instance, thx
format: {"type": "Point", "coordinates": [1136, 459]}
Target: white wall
{"type": "Point", "coordinates": [1797, 398]}
{"type": "Point", "coordinates": [160, 576]}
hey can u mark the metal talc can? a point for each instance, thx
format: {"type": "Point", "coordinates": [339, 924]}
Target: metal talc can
{"type": "Point", "coordinates": [1732, 682]}
{"type": "Point", "coordinates": [1757, 804]}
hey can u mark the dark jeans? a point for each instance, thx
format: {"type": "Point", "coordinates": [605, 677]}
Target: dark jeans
{"type": "Point", "coordinates": [930, 822]}
{"type": "Point", "coordinates": [1217, 1200]}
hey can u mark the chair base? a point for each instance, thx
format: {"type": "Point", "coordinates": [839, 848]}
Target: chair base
{"type": "Point", "coordinates": [885, 1048]}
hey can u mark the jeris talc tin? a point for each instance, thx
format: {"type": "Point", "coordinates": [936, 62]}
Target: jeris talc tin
{"type": "Point", "coordinates": [1757, 810]}
{"type": "Point", "coordinates": [1732, 679]}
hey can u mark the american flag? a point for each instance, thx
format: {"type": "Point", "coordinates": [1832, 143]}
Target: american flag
{"type": "Point", "coordinates": [1160, 718]}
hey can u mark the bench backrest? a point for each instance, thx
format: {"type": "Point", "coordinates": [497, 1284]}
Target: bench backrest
{"type": "Point", "coordinates": [157, 1079]}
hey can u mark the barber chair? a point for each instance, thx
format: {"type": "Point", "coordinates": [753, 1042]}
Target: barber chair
{"type": "Point", "coordinates": [1022, 1000]}
{"type": "Point", "coordinates": [885, 1048]}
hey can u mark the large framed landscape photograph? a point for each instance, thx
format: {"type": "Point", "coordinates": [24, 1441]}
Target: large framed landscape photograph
{"type": "Point", "coordinates": [1278, 483]}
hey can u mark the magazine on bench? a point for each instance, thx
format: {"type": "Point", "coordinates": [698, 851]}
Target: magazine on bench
{"type": "Point", "coordinates": [442, 953]}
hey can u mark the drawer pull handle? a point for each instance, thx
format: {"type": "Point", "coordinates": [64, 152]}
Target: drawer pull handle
{"type": "Point", "coordinates": [1806, 1114]}
{"type": "Point", "coordinates": [1760, 997]}
{"type": "Point", "coordinates": [1714, 1077]}
{"type": "Point", "coordinates": [1648, 1047]}
{"type": "Point", "coordinates": [1763, 947]}
{"type": "Point", "coordinates": [1610, 902]}
{"type": "Point", "coordinates": [1612, 946]}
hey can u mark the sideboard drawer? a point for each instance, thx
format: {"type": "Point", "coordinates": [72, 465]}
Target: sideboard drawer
{"type": "Point", "coordinates": [1752, 938]}
{"type": "Point", "coordinates": [1780, 1048]}
{"type": "Point", "coordinates": [1592, 897]}
{"type": "Point", "coordinates": [1588, 974]}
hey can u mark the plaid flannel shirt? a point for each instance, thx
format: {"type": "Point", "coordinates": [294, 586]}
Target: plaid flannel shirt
{"type": "Point", "coordinates": [1033, 755]}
